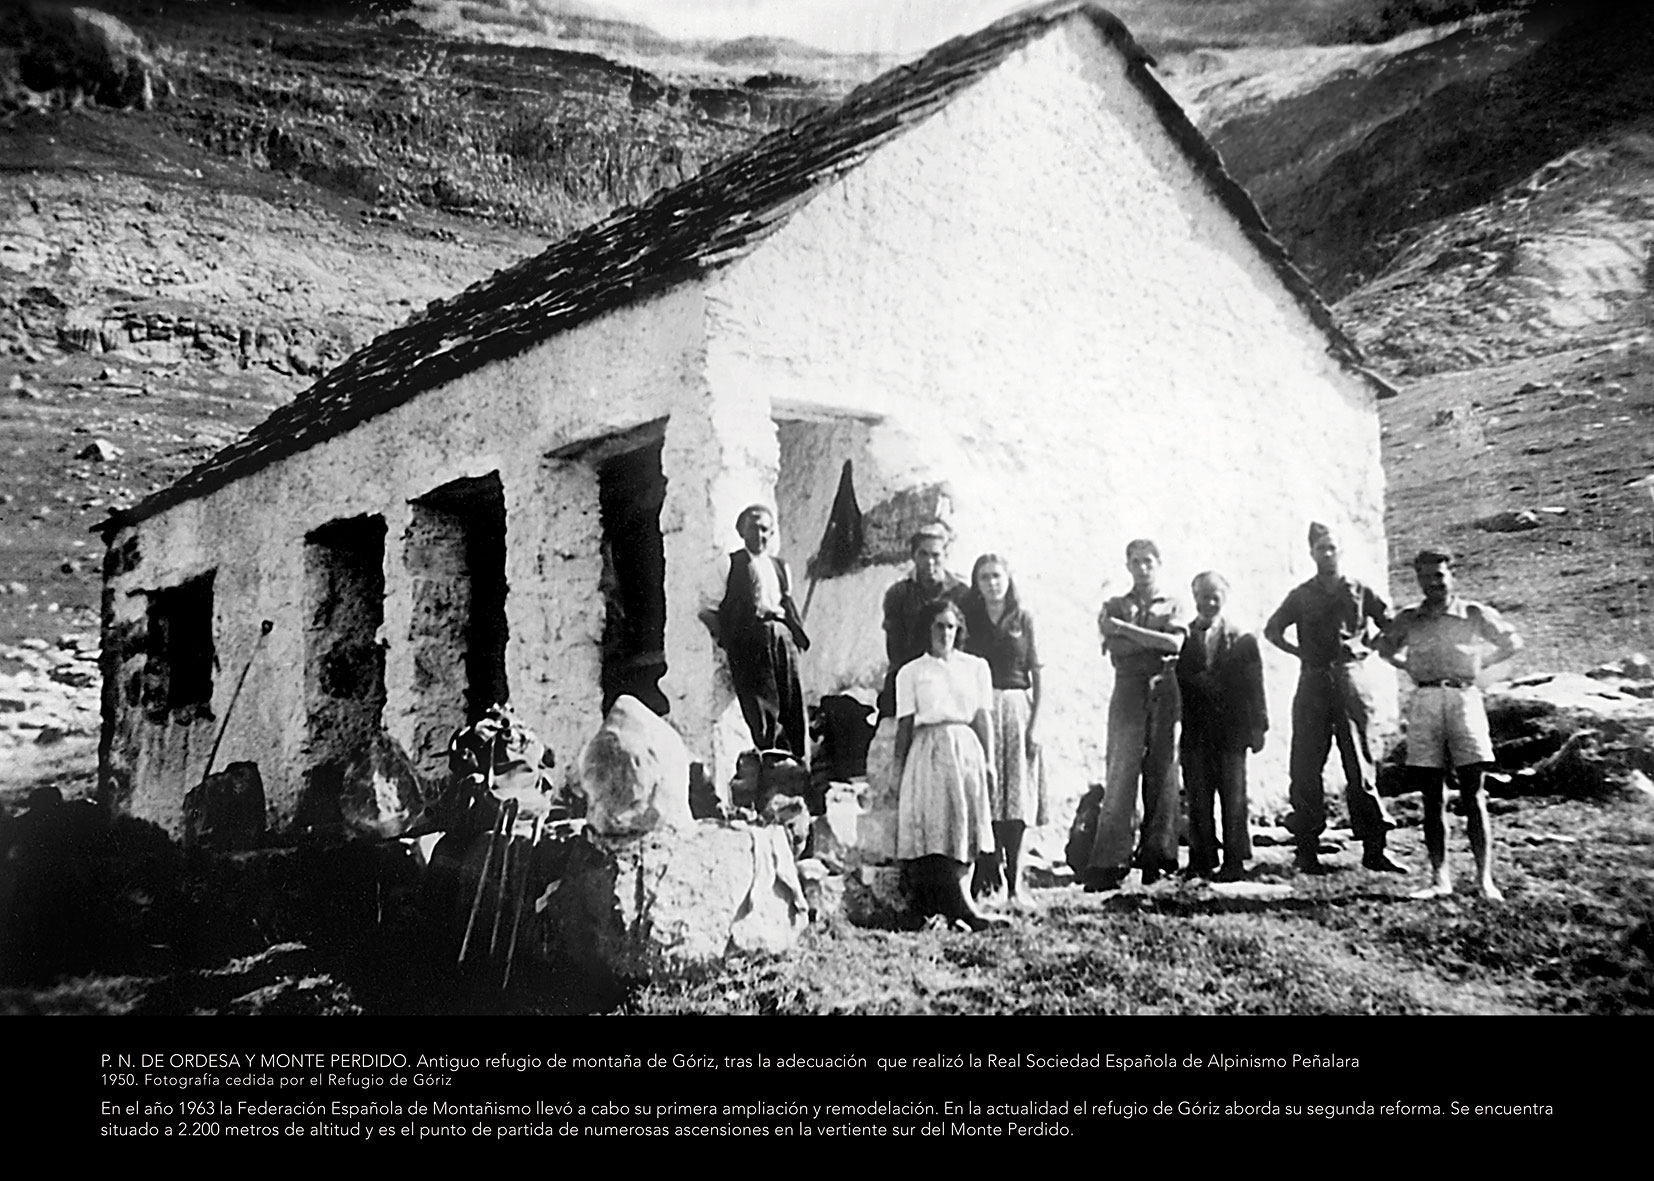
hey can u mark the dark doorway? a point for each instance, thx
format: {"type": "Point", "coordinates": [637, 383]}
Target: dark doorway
{"type": "Point", "coordinates": [344, 660]}
{"type": "Point", "coordinates": [179, 664]}
{"type": "Point", "coordinates": [455, 555]}
{"type": "Point", "coordinates": [631, 490]}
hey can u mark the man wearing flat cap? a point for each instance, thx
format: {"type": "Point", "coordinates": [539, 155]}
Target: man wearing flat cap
{"type": "Point", "coordinates": [1333, 617]}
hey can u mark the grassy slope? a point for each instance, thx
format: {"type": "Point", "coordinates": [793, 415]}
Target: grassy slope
{"type": "Point", "coordinates": [1566, 432]}
{"type": "Point", "coordinates": [1348, 943]}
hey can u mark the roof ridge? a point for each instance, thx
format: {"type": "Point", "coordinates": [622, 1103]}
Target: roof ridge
{"type": "Point", "coordinates": [706, 222]}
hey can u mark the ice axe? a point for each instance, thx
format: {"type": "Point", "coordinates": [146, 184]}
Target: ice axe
{"type": "Point", "coordinates": [498, 823]}
{"type": "Point", "coordinates": [522, 896]}
{"type": "Point", "coordinates": [264, 629]}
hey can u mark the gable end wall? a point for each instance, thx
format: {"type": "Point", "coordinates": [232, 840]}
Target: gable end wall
{"type": "Point", "coordinates": [1037, 302]}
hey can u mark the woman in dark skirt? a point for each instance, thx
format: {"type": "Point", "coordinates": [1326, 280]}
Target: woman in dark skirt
{"type": "Point", "coordinates": [1001, 632]}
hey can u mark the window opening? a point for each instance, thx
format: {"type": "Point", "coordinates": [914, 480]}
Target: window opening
{"type": "Point", "coordinates": [179, 660]}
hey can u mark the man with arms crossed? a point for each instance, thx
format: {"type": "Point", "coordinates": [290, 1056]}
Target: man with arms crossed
{"type": "Point", "coordinates": [1443, 644]}
{"type": "Point", "coordinates": [1334, 616]}
{"type": "Point", "coordinates": [1142, 632]}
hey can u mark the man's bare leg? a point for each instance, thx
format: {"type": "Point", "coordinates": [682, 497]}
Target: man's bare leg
{"type": "Point", "coordinates": [1432, 786]}
{"type": "Point", "coordinates": [1481, 829]}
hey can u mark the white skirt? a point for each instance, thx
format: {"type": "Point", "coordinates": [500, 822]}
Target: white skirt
{"type": "Point", "coordinates": [943, 807]}
{"type": "Point", "coordinates": [1019, 793]}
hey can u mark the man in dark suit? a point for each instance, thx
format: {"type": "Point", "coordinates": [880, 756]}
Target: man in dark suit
{"type": "Point", "coordinates": [1220, 676]}
{"type": "Point", "coordinates": [762, 633]}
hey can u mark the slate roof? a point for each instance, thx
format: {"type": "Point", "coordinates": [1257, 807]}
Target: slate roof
{"type": "Point", "coordinates": [691, 229]}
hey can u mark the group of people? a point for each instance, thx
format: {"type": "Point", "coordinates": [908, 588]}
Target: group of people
{"type": "Point", "coordinates": [963, 685]}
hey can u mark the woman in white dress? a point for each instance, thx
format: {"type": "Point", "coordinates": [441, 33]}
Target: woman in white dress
{"type": "Point", "coordinates": [944, 758]}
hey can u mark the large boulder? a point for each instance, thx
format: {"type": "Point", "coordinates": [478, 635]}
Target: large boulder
{"type": "Point", "coordinates": [381, 794]}
{"type": "Point", "coordinates": [83, 53]}
{"type": "Point", "coordinates": [672, 902]}
{"type": "Point", "coordinates": [875, 828]}
{"type": "Point", "coordinates": [634, 774]}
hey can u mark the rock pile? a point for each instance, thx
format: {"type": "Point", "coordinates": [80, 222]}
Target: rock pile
{"type": "Point", "coordinates": [648, 891]}
{"type": "Point", "coordinates": [1578, 736]}
{"type": "Point", "coordinates": [82, 55]}
{"type": "Point", "coordinates": [49, 692]}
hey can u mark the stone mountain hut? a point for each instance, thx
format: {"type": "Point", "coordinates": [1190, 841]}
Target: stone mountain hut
{"type": "Point", "coordinates": [1009, 283]}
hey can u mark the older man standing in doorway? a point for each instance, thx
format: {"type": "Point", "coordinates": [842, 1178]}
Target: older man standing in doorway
{"type": "Point", "coordinates": [1334, 617]}
{"type": "Point", "coordinates": [1142, 632]}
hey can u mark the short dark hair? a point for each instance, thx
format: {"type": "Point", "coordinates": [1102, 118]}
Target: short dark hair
{"type": "Point", "coordinates": [1432, 556]}
{"type": "Point", "coordinates": [1210, 576]}
{"type": "Point", "coordinates": [752, 510]}
{"type": "Point", "coordinates": [935, 529]}
{"type": "Point", "coordinates": [934, 610]}
{"type": "Point", "coordinates": [1144, 544]}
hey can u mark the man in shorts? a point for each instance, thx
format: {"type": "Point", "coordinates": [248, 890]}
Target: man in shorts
{"type": "Point", "coordinates": [1443, 644]}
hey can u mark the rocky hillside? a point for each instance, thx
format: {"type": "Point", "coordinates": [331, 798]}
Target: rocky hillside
{"type": "Point", "coordinates": [1472, 193]}
{"type": "Point", "coordinates": [1480, 196]}
{"type": "Point", "coordinates": [265, 189]}
{"type": "Point", "coordinates": [299, 182]}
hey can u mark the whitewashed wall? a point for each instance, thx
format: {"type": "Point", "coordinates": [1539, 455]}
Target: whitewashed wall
{"type": "Point", "coordinates": [1037, 300]}
{"type": "Point", "coordinates": [628, 368]}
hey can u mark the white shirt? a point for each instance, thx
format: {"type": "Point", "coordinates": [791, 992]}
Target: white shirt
{"type": "Point", "coordinates": [931, 690]}
{"type": "Point", "coordinates": [768, 579]}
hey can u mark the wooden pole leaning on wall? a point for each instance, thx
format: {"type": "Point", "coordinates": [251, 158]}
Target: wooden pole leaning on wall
{"type": "Point", "coordinates": [264, 629]}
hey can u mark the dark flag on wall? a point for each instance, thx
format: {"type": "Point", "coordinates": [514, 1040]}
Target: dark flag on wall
{"type": "Point", "coordinates": [841, 541]}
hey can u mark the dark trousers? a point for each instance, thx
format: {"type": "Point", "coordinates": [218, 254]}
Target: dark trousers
{"type": "Point", "coordinates": [1142, 716]}
{"type": "Point", "coordinates": [763, 667]}
{"type": "Point", "coordinates": [1214, 775]}
{"type": "Point", "coordinates": [1333, 707]}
